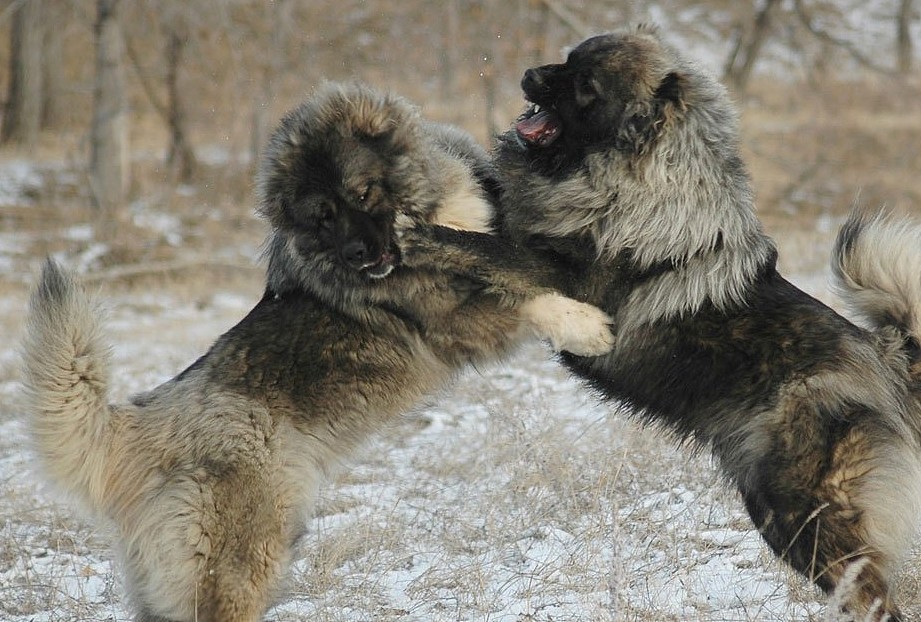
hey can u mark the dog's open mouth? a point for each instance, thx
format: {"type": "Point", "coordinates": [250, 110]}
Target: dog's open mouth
{"type": "Point", "coordinates": [539, 126]}
{"type": "Point", "coordinates": [383, 266]}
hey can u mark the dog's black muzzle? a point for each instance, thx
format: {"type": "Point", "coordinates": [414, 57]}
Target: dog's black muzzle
{"type": "Point", "coordinates": [364, 242]}
{"type": "Point", "coordinates": [541, 83]}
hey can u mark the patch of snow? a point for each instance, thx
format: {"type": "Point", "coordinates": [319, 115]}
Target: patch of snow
{"type": "Point", "coordinates": [18, 179]}
{"type": "Point", "coordinates": [80, 233]}
{"type": "Point", "coordinates": [168, 225]}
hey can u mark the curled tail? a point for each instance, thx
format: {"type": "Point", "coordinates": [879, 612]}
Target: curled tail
{"type": "Point", "coordinates": [65, 379]}
{"type": "Point", "coordinates": [877, 269]}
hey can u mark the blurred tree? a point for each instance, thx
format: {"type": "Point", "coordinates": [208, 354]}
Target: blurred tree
{"type": "Point", "coordinates": [748, 46]}
{"type": "Point", "coordinates": [820, 21]}
{"type": "Point", "coordinates": [449, 50]}
{"type": "Point", "coordinates": [54, 104]}
{"type": "Point", "coordinates": [23, 113]}
{"type": "Point", "coordinates": [536, 15]}
{"type": "Point", "coordinates": [568, 17]}
{"type": "Point", "coordinates": [271, 71]}
{"type": "Point", "coordinates": [904, 51]}
{"type": "Point", "coordinates": [487, 52]}
{"type": "Point", "coordinates": [109, 165]}
{"type": "Point", "coordinates": [180, 157]}
{"type": "Point", "coordinates": [173, 24]}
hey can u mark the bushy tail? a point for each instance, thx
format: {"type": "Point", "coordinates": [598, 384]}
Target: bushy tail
{"type": "Point", "coordinates": [65, 379]}
{"type": "Point", "coordinates": [877, 268]}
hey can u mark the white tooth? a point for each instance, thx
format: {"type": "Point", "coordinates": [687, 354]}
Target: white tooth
{"type": "Point", "coordinates": [536, 108]}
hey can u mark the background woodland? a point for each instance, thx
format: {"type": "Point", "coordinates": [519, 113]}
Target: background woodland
{"type": "Point", "coordinates": [104, 83]}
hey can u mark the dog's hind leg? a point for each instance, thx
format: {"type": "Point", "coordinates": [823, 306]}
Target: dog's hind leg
{"type": "Point", "coordinates": [839, 512]}
{"type": "Point", "coordinates": [252, 550]}
{"type": "Point", "coordinates": [213, 549]}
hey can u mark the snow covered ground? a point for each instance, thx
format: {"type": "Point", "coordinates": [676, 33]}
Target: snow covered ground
{"type": "Point", "coordinates": [514, 496]}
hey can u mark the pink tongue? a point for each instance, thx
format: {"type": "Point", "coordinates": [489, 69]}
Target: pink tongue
{"type": "Point", "coordinates": [542, 128]}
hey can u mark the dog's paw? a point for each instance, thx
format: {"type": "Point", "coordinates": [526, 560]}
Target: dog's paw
{"type": "Point", "coordinates": [417, 248]}
{"type": "Point", "coordinates": [402, 224]}
{"type": "Point", "coordinates": [570, 325]}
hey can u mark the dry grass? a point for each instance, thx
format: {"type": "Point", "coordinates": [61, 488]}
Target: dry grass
{"type": "Point", "coordinates": [813, 149]}
{"type": "Point", "coordinates": [502, 500]}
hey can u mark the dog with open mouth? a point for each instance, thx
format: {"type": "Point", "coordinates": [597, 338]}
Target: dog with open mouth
{"type": "Point", "coordinates": [626, 167]}
{"type": "Point", "coordinates": [624, 176]}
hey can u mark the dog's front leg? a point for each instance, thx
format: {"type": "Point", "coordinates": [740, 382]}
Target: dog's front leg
{"type": "Point", "coordinates": [498, 263]}
{"type": "Point", "coordinates": [513, 272]}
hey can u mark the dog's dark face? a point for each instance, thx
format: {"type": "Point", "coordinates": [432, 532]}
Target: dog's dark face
{"type": "Point", "coordinates": [614, 91]}
{"type": "Point", "coordinates": [337, 174]}
{"type": "Point", "coordinates": [341, 209]}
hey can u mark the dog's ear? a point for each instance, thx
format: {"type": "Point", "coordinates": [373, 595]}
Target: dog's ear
{"type": "Point", "coordinates": [386, 121]}
{"type": "Point", "coordinates": [372, 120]}
{"type": "Point", "coordinates": [645, 121]}
{"type": "Point", "coordinates": [672, 90]}
{"type": "Point", "coordinates": [637, 128]}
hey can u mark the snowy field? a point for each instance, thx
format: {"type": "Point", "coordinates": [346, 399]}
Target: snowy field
{"type": "Point", "coordinates": [515, 496]}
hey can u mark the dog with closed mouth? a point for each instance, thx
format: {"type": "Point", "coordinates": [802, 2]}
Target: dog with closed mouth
{"type": "Point", "coordinates": [209, 478]}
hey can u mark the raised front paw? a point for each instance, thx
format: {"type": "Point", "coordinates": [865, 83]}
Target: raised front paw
{"type": "Point", "coordinates": [403, 223]}
{"type": "Point", "coordinates": [570, 325]}
{"type": "Point", "coordinates": [417, 247]}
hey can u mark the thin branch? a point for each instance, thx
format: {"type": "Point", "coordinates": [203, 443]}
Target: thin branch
{"type": "Point", "coordinates": [827, 37]}
{"type": "Point", "coordinates": [115, 273]}
{"type": "Point", "coordinates": [568, 18]}
{"type": "Point", "coordinates": [10, 9]}
{"type": "Point", "coordinates": [145, 81]}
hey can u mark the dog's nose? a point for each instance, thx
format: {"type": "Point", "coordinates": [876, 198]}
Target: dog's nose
{"type": "Point", "coordinates": [533, 78]}
{"type": "Point", "coordinates": [355, 253]}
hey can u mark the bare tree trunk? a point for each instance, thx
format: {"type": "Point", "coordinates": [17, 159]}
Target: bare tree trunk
{"type": "Point", "coordinates": [567, 17]}
{"type": "Point", "coordinates": [738, 34]}
{"type": "Point", "coordinates": [541, 50]}
{"type": "Point", "coordinates": [22, 118]}
{"type": "Point", "coordinates": [54, 110]}
{"type": "Point", "coordinates": [265, 95]}
{"type": "Point", "coordinates": [903, 36]}
{"type": "Point", "coordinates": [109, 172]}
{"type": "Point", "coordinates": [449, 53]}
{"type": "Point", "coordinates": [180, 157]}
{"type": "Point", "coordinates": [489, 92]}
{"type": "Point", "coordinates": [488, 47]}
{"type": "Point", "coordinates": [532, 19]}
{"type": "Point", "coordinates": [739, 72]}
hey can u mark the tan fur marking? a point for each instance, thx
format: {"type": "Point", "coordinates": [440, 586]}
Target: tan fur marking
{"type": "Point", "coordinates": [466, 210]}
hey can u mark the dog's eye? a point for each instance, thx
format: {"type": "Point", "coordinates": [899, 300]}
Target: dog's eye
{"type": "Point", "coordinates": [327, 218]}
{"type": "Point", "coordinates": [586, 90]}
{"type": "Point", "coordinates": [366, 193]}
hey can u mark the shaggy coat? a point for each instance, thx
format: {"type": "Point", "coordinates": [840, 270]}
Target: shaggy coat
{"type": "Point", "coordinates": [209, 479]}
{"type": "Point", "coordinates": [624, 175]}
{"type": "Point", "coordinates": [626, 168]}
